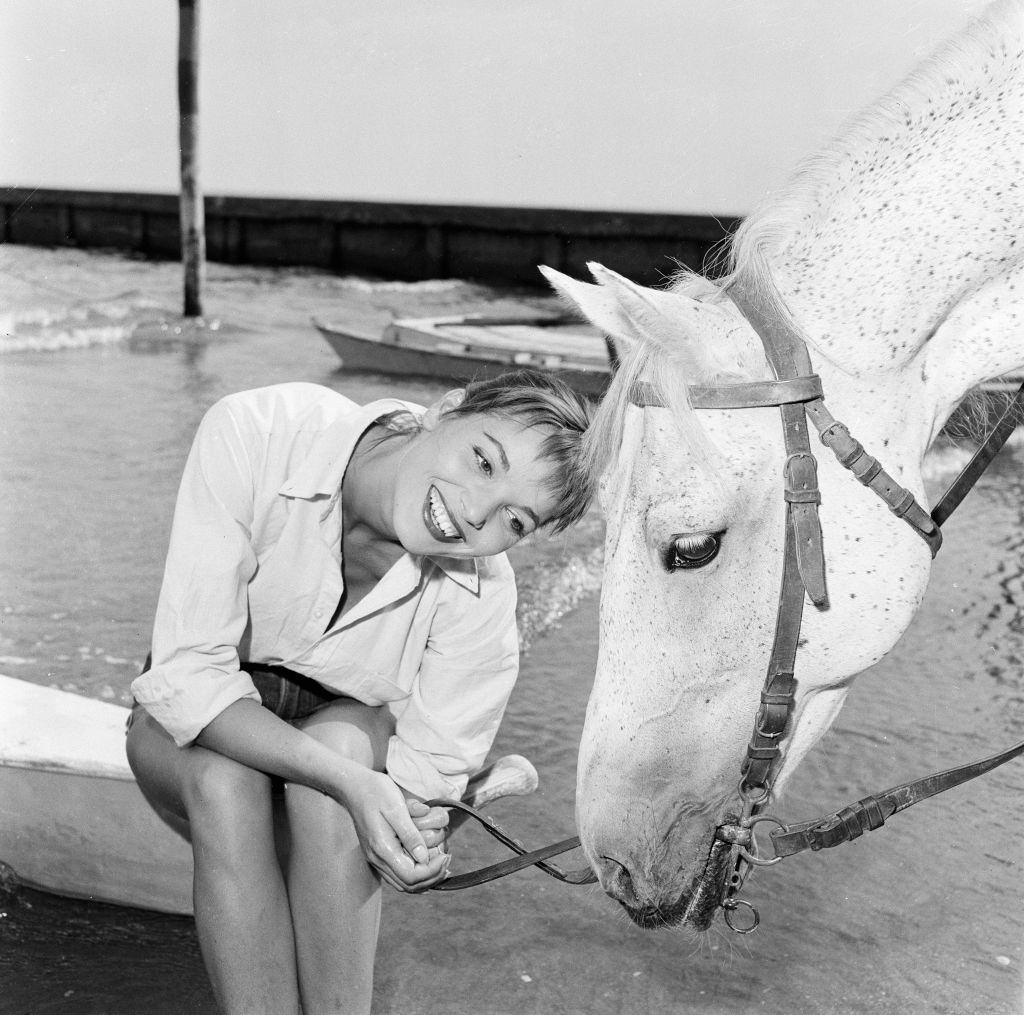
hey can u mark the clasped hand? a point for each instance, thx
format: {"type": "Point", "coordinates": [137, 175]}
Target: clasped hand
{"type": "Point", "coordinates": [403, 838]}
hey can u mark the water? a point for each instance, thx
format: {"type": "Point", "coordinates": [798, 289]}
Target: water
{"type": "Point", "coordinates": [101, 387]}
{"type": "Point", "coordinates": [101, 398]}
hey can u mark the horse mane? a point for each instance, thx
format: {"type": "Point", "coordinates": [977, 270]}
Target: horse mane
{"type": "Point", "coordinates": [957, 70]}
{"type": "Point", "coordinates": [783, 219]}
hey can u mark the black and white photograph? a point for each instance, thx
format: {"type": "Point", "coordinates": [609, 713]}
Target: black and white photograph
{"type": "Point", "coordinates": [512, 509]}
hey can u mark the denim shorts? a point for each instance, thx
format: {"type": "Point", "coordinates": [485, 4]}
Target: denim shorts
{"type": "Point", "coordinates": [286, 693]}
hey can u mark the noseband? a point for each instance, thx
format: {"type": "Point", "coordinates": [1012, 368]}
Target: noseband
{"type": "Point", "coordinates": [797, 392]}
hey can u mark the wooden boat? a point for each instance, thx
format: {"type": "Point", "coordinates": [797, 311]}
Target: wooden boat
{"type": "Point", "coordinates": [74, 822]}
{"type": "Point", "coordinates": [461, 348]}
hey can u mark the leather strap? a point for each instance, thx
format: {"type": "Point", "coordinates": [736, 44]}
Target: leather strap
{"type": "Point", "coordinates": [748, 395]}
{"type": "Point", "coordinates": [961, 486]}
{"type": "Point", "coordinates": [868, 471]}
{"type": "Point", "coordinates": [778, 696]}
{"type": "Point", "coordinates": [789, 359]}
{"type": "Point", "coordinates": [752, 394]}
{"type": "Point", "coordinates": [871, 812]}
{"type": "Point", "coordinates": [524, 858]}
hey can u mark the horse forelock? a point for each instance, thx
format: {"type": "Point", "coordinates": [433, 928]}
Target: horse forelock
{"type": "Point", "coordinates": [655, 366]}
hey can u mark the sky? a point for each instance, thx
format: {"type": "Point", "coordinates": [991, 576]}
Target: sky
{"type": "Point", "coordinates": [688, 106]}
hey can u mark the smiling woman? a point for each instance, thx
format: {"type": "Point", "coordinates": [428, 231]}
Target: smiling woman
{"type": "Point", "coordinates": [337, 615]}
{"type": "Point", "coordinates": [486, 466]}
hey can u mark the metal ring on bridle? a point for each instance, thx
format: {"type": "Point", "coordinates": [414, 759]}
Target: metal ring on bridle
{"type": "Point", "coordinates": [747, 793]}
{"type": "Point", "coordinates": [730, 906]}
{"type": "Point", "coordinates": [752, 858]}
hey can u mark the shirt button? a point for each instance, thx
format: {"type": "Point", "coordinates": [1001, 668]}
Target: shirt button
{"type": "Point", "coordinates": [318, 614]}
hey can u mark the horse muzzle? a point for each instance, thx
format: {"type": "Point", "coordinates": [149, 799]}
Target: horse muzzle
{"type": "Point", "coordinates": [655, 900]}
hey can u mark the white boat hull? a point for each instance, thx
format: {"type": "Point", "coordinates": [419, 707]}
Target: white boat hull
{"type": "Point", "coordinates": [74, 822]}
{"type": "Point", "coordinates": [72, 818]}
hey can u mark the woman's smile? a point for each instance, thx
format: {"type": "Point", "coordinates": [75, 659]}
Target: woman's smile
{"type": "Point", "coordinates": [438, 518]}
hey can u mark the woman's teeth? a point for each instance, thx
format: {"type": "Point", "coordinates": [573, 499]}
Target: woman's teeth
{"type": "Point", "coordinates": [440, 515]}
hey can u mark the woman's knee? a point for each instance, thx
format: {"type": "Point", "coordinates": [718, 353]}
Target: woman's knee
{"type": "Point", "coordinates": [354, 730]}
{"type": "Point", "coordinates": [196, 790]}
{"type": "Point", "coordinates": [217, 788]}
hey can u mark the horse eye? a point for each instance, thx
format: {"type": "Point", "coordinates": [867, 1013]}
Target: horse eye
{"type": "Point", "coordinates": [693, 551]}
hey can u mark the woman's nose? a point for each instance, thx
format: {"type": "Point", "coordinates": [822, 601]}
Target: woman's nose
{"type": "Point", "coordinates": [476, 508]}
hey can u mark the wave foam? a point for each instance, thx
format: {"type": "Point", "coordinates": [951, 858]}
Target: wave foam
{"type": "Point", "coordinates": [51, 329]}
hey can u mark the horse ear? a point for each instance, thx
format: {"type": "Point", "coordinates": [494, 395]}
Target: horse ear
{"type": "Point", "coordinates": [668, 320]}
{"type": "Point", "coordinates": [596, 303]}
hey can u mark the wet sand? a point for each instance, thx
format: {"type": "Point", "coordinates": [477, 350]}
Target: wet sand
{"type": "Point", "coordinates": [922, 916]}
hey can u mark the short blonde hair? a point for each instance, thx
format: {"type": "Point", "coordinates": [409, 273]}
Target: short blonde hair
{"type": "Point", "coordinates": [538, 399]}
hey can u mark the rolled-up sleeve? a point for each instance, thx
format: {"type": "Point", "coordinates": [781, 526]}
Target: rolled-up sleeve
{"type": "Point", "coordinates": [202, 611]}
{"type": "Point", "coordinates": [465, 679]}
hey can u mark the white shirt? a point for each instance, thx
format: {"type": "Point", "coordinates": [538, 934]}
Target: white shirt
{"type": "Point", "coordinates": [254, 572]}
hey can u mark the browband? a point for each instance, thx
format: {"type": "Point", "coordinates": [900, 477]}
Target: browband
{"type": "Point", "coordinates": [747, 395]}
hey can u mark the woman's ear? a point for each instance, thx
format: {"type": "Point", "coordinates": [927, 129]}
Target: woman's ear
{"type": "Point", "coordinates": [449, 400]}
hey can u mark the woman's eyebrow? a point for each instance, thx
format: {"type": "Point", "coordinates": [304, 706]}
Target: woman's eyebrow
{"type": "Point", "coordinates": [504, 464]}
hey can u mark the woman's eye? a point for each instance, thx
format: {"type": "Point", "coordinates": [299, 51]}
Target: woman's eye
{"type": "Point", "coordinates": [483, 463]}
{"type": "Point", "coordinates": [516, 524]}
{"type": "Point", "coordinates": [693, 551]}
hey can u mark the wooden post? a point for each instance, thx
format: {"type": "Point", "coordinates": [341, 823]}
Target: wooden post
{"type": "Point", "coordinates": [193, 228]}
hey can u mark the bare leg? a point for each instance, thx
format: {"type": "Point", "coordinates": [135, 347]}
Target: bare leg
{"type": "Point", "coordinates": [241, 907]}
{"type": "Point", "coordinates": [334, 893]}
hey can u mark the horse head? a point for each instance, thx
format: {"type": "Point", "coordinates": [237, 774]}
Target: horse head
{"type": "Point", "coordinates": [693, 560]}
{"type": "Point", "coordinates": [894, 255]}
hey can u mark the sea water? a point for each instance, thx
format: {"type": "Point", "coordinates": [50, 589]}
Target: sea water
{"type": "Point", "coordinates": [101, 387]}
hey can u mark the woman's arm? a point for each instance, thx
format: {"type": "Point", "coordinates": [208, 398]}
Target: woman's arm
{"type": "Point", "coordinates": [202, 611]}
{"type": "Point", "coordinates": [394, 846]}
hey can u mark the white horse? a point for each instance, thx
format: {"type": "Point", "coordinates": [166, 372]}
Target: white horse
{"type": "Point", "coordinates": [898, 255]}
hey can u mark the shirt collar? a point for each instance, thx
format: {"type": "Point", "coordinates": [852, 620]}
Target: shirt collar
{"type": "Point", "coordinates": [464, 571]}
{"type": "Point", "coordinates": [323, 469]}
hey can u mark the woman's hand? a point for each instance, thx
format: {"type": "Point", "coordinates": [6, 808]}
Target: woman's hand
{"type": "Point", "coordinates": [407, 858]}
{"type": "Point", "coordinates": [432, 823]}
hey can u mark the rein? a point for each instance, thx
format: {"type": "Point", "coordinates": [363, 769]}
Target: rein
{"type": "Point", "coordinates": [523, 858]}
{"type": "Point", "coordinates": [797, 392]}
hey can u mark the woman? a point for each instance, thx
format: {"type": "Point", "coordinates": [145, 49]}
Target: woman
{"type": "Point", "coordinates": [337, 615]}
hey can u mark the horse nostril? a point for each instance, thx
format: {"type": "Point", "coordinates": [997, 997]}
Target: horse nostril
{"type": "Point", "coordinates": [617, 881]}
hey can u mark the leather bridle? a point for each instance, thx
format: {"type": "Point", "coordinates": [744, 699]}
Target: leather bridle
{"type": "Point", "coordinates": [798, 394]}
{"type": "Point", "coordinates": [796, 390]}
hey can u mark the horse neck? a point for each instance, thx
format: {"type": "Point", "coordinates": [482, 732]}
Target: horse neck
{"type": "Point", "coordinates": [875, 241]}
